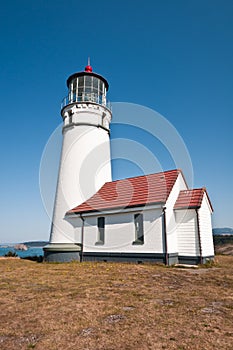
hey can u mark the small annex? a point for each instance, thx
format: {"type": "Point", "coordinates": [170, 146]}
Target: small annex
{"type": "Point", "coordinates": [151, 218]}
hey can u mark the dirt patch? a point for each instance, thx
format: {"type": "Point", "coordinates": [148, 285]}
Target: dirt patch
{"type": "Point", "coordinates": [226, 249]}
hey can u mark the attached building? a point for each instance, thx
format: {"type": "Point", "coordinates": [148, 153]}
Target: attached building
{"type": "Point", "coordinates": [152, 218]}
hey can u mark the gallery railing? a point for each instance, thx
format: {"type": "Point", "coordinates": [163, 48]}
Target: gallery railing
{"type": "Point", "coordinates": [86, 97]}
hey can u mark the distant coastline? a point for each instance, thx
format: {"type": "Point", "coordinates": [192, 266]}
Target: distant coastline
{"type": "Point", "coordinates": [222, 231]}
{"type": "Point", "coordinates": [29, 244]}
{"type": "Point", "coordinates": [33, 249]}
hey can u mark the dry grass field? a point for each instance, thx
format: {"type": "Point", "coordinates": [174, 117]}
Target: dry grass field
{"type": "Point", "coordinates": [115, 306]}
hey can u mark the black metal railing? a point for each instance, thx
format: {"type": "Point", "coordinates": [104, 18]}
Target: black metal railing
{"type": "Point", "coordinates": [86, 97]}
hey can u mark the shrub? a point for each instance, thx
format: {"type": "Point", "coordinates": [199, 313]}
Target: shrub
{"type": "Point", "coordinates": [11, 254]}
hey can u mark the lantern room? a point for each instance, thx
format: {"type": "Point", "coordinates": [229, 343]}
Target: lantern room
{"type": "Point", "coordinates": [85, 87]}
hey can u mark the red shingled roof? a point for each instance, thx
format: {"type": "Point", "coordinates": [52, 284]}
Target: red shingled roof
{"type": "Point", "coordinates": [191, 199]}
{"type": "Point", "coordinates": [131, 192]}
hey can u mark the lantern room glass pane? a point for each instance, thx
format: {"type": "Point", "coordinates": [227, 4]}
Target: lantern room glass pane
{"type": "Point", "coordinates": [80, 90]}
{"type": "Point", "coordinates": [101, 87]}
{"type": "Point", "coordinates": [81, 81]}
{"type": "Point", "coordinates": [88, 81]}
{"type": "Point", "coordinates": [95, 83]}
{"type": "Point", "coordinates": [74, 82]}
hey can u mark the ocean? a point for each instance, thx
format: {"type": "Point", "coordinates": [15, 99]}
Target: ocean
{"type": "Point", "coordinates": [32, 251]}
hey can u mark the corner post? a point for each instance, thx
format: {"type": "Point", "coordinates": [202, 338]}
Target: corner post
{"type": "Point", "coordinates": [199, 236]}
{"type": "Point", "coordinates": [82, 237]}
{"type": "Point", "coordinates": [165, 235]}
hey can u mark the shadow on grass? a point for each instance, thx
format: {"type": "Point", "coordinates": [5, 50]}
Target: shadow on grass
{"type": "Point", "coordinates": [38, 259]}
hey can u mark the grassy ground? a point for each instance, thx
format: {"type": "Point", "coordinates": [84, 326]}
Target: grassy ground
{"type": "Point", "coordinates": [115, 306]}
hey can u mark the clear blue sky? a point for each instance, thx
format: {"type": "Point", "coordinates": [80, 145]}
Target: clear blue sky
{"type": "Point", "coordinates": [175, 57]}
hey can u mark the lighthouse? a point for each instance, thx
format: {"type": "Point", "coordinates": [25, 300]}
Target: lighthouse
{"type": "Point", "coordinates": [85, 162]}
{"type": "Point", "coordinates": [148, 218]}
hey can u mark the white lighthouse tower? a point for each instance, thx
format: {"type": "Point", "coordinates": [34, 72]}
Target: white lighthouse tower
{"type": "Point", "coordinates": [85, 163]}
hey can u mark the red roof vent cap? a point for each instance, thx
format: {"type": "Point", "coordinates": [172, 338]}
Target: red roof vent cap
{"type": "Point", "coordinates": [88, 68]}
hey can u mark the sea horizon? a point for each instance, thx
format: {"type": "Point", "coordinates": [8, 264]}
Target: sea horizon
{"type": "Point", "coordinates": [31, 251]}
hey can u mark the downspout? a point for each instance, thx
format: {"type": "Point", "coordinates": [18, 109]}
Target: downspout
{"type": "Point", "coordinates": [82, 237]}
{"type": "Point", "coordinates": [165, 235]}
{"type": "Point", "coordinates": [199, 236]}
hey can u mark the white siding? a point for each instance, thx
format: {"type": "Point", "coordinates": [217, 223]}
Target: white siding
{"type": "Point", "coordinates": [187, 232]}
{"type": "Point", "coordinates": [206, 228]}
{"type": "Point", "coordinates": [172, 244]}
{"type": "Point", "coordinates": [85, 166]}
{"type": "Point", "coordinates": [76, 223]}
{"type": "Point", "coordinates": [120, 232]}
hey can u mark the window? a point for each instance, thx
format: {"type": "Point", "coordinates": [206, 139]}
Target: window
{"type": "Point", "coordinates": [95, 83]}
{"type": "Point", "coordinates": [101, 229]}
{"type": "Point", "coordinates": [88, 81]}
{"type": "Point", "coordinates": [139, 234]}
{"type": "Point", "coordinates": [101, 87]}
{"type": "Point", "coordinates": [81, 81]}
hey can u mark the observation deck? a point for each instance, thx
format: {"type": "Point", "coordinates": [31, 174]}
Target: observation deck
{"type": "Point", "coordinates": [86, 97]}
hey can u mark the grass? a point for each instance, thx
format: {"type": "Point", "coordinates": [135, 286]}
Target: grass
{"type": "Point", "coordinates": [115, 306]}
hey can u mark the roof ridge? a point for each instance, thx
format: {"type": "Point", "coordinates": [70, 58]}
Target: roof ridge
{"type": "Point", "coordinates": [135, 177]}
{"type": "Point", "coordinates": [194, 189]}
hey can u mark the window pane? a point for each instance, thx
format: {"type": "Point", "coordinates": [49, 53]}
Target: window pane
{"type": "Point", "coordinates": [101, 225]}
{"type": "Point", "coordinates": [101, 87]}
{"type": "Point", "coordinates": [88, 81]}
{"type": "Point", "coordinates": [87, 90]}
{"type": "Point", "coordinates": [74, 82]}
{"type": "Point", "coordinates": [80, 90]}
{"type": "Point", "coordinates": [95, 83]}
{"type": "Point", "coordinates": [139, 234]}
{"type": "Point", "coordinates": [81, 81]}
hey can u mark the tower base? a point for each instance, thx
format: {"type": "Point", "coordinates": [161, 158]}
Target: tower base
{"type": "Point", "coordinates": [62, 252]}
